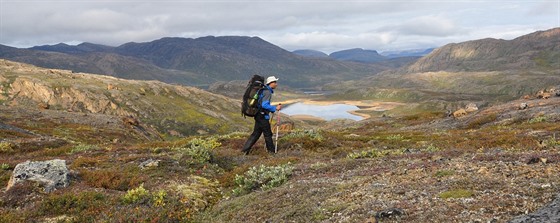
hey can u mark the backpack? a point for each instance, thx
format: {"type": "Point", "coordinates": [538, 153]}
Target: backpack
{"type": "Point", "coordinates": [250, 105]}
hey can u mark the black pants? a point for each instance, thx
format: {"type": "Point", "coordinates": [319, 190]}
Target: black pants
{"type": "Point", "coordinates": [262, 126]}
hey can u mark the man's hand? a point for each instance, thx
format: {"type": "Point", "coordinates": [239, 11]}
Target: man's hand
{"type": "Point", "coordinates": [278, 107]}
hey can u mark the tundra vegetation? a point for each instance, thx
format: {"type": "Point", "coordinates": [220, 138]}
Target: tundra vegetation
{"type": "Point", "coordinates": [154, 152]}
{"type": "Point", "coordinates": [432, 168]}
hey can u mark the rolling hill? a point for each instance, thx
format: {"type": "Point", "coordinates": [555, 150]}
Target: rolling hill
{"type": "Point", "coordinates": [165, 110]}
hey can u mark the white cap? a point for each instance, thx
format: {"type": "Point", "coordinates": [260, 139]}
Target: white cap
{"type": "Point", "coordinates": [271, 79]}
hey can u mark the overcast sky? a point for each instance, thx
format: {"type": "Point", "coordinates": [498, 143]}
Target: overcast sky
{"type": "Point", "coordinates": [326, 26]}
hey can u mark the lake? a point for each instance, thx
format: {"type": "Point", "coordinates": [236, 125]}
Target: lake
{"type": "Point", "coordinates": [327, 112]}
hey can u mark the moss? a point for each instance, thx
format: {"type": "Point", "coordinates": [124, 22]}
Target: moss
{"type": "Point", "coordinates": [444, 173]}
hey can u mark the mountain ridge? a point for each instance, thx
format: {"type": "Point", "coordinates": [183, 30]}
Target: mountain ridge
{"type": "Point", "coordinates": [490, 54]}
{"type": "Point", "coordinates": [188, 61]}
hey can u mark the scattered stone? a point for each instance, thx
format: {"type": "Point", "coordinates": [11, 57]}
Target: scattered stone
{"type": "Point", "coordinates": [459, 113]}
{"type": "Point", "coordinates": [389, 213]}
{"type": "Point", "coordinates": [523, 106]}
{"type": "Point", "coordinates": [129, 120]}
{"type": "Point", "coordinates": [471, 107]}
{"type": "Point", "coordinates": [175, 133]}
{"type": "Point", "coordinates": [51, 174]}
{"type": "Point", "coordinates": [149, 163]}
{"type": "Point", "coordinates": [44, 105]}
{"type": "Point", "coordinates": [543, 95]}
{"type": "Point", "coordinates": [536, 160]}
{"type": "Point", "coordinates": [352, 135]}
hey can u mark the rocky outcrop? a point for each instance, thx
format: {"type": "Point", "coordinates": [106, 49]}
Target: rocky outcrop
{"type": "Point", "coordinates": [537, 49]}
{"type": "Point", "coordinates": [154, 105]}
{"type": "Point", "coordinates": [548, 213]}
{"type": "Point", "coordinates": [50, 174]}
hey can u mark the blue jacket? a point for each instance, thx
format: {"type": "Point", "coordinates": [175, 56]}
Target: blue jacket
{"type": "Point", "coordinates": [265, 97]}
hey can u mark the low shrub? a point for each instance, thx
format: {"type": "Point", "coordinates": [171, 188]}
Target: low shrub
{"type": "Point", "coordinates": [85, 162]}
{"type": "Point", "coordinates": [199, 150]}
{"type": "Point", "coordinates": [538, 119]}
{"type": "Point", "coordinates": [373, 153]}
{"type": "Point", "coordinates": [397, 137]}
{"type": "Point", "coordinates": [457, 193]}
{"type": "Point", "coordinates": [4, 166]}
{"type": "Point", "coordinates": [70, 203]}
{"type": "Point", "coordinates": [6, 147]}
{"type": "Point", "coordinates": [262, 177]}
{"type": "Point", "coordinates": [110, 179]}
{"type": "Point", "coordinates": [83, 148]}
{"type": "Point", "coordinates": [137, 195]}
{"type": "Point", "coordinates": [209, 143]}
{"type": "Point", "coordinates": [197, 194]}
{"type": "Point", "coordinates": [308, 134]}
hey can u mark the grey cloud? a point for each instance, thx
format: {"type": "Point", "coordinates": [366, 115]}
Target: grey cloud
{"type": "Point", "coordinates": [327, 25]}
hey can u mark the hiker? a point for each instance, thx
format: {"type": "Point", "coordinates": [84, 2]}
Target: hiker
{"type": "Point", "coordinates": [262, 124]}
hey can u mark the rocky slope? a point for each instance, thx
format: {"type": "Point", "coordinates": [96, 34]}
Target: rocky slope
{"type": "Point", "coordinates": [172, 110]}
{"type": "Point", "coordinates": [536, 50]}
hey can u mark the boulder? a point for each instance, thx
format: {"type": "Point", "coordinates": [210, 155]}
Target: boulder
{"type": "Point", "coordinates": [543, 95]}
{"type": "Point", "coordinates": [471, 107]}
{"type": "Point", "coordinates": [459, 113]}
{"type": "Point", "coordinates": [51, 174]}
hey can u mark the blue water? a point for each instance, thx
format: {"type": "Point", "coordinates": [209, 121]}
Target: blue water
{"type": "Point", "coordinates": [327, 112]}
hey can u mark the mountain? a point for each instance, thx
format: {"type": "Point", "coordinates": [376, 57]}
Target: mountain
{"type": "Point", "coordinates": [483, 71]}
{"type": "Point", "coordinates": [407, 53]}
{"type": "Point", "coordinates": [536, 50]}
{"type": "Point", "coordinates": [310, 53]}
{"type": "Point", "coordinates": [78, 49]}
{"type": "Point", "coordinates": [187, 61]}
{"type": "Point", "coordinates": [358, 55]}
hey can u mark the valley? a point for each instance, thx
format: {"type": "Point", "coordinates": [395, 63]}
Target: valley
{"type": "Point", "coordinates": [451, 137]}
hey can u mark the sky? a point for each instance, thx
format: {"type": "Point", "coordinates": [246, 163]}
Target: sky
{"type": "Point", "coordinates": [323, 25]}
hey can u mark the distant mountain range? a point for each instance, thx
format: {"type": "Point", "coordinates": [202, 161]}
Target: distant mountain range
{"type": "Point", "coordinates": [364, 56]}
{"type": "Point", "coordinates": [206, 60]}
{"type": "Point", "coordinates": [199, 61]}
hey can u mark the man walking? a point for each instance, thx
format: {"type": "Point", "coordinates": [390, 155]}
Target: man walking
{"type": "Point", "coordinates": [262, 124]}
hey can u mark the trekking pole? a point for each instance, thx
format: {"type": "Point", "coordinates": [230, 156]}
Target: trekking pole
{"type": "Point", "coordinates": [277, 129]}
{"type": "Point", "coordinates": [269, 121]}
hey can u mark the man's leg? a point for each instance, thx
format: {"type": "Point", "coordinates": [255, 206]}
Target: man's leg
{"type": "Point", "coordinates": [252, 138]}
{"type": "Point", "coordinates": [267, 135]}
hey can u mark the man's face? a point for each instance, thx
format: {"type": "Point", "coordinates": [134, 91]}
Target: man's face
{"type": "Point", "coordinates": [273, 84]}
